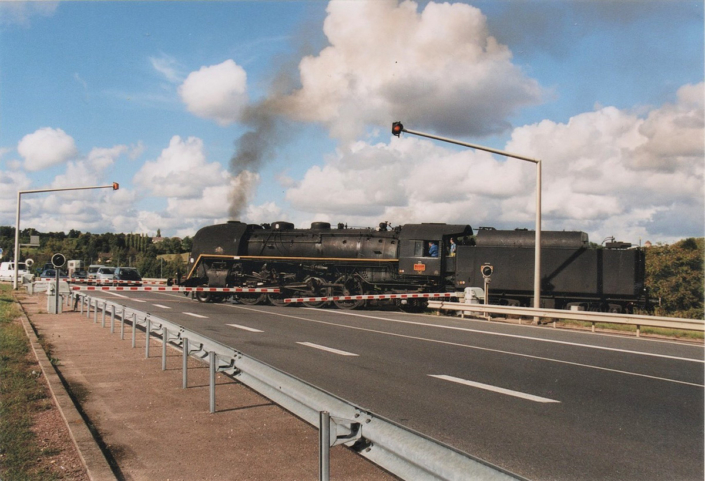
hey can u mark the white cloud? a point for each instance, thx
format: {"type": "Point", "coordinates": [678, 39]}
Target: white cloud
{"type": "Point", "coordinates": [45, 148]}
{"type": "Point", "coordinates": [167, 66]}
{"type": "Point", "coordinates": [181, 171]}
{"type": "Point", "coordinates": [438, 68]}
{"type": "Point", "coordinates": [218, 92]}
{"type": "Point", "coordinates": [20, 13]}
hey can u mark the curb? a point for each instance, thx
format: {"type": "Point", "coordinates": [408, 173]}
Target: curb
{"type": "Point", "coordinates": [91, 455]}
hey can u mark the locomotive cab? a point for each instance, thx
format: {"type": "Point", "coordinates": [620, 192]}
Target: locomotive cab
{"type": "Point", "coordinates": [416, 254]}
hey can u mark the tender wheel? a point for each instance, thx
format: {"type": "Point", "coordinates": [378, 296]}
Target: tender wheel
{"type": "Point", "coordinates": [252, 299]}
{"type": "Point", "coordinates": [350, 287]}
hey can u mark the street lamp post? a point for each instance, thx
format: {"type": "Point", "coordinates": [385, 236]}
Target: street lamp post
{"type": "Point", "coordinates": [114, 186]}
{"type": "Point", "coordinates": [398, 128]}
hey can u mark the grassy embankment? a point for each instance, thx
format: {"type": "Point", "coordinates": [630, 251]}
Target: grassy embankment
{"type": "Point", "coordinates": [644, 331]}
{"type": "Point", "coordinates": [22, 394]}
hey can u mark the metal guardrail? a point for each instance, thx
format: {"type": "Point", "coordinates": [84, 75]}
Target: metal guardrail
{"type": "Point", "coordinates": [399, 450]}
{"type": "Point", "coordinates": [587, 316]}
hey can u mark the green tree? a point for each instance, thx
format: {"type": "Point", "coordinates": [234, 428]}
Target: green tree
{"type": "Point", "coordinates": [675, 275]}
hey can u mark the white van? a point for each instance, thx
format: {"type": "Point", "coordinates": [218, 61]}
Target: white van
{"type": "Point", "coordinates": [7, 270]}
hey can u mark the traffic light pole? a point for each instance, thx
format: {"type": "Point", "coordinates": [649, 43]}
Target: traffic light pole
{"type": "Point", "coordinates": [15, 285]}
{"type": "Point", "coordinates": [398, 128]}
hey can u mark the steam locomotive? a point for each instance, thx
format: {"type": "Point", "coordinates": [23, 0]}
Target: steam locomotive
{"type": "Point", "coordinates": [414, 258]}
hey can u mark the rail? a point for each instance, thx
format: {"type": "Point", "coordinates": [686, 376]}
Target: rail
{"type": "Point", "coordinates": [398, 449]}
{"type": "Point", "coordinates": [587, 316]}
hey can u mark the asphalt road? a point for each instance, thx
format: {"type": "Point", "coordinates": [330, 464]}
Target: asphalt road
{"type": "Point", "coordinates": [539, 402]}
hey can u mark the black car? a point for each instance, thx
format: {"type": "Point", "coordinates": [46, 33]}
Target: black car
{"type": "Point", "coordinates": [128, 276]}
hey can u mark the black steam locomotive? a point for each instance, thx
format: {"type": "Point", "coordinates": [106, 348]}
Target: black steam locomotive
{"type": "Point", "coordinates": [414, 258]}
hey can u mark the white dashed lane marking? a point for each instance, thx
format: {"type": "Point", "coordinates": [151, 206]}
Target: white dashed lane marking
{"type": "Point", "coordinates": [328, 349]}
{"type": "Point", "coordinates": [489, 387]}
{"type": "Point", "coordinates": [244, 328]}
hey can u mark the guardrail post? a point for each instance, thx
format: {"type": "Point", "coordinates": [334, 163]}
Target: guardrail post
{"type": "Point", "coordinates": [211, 368]}
{"type": "Point", "coordinates": [95, 312]}
{"type": "Point", "coordinates": [165, 340]}
{"type": "Point", "coordinates": [102, 316]}
{"type": "Point", "coordinates": [134, 328]}
{"type": "Point", "coordinates": [112, 318]}
{"type": "Point", "coordinates": [638, 330]}
{"type": "Point", "coordinates": [147, 337]}
{"type": "Point", "coordinates": [184, 383]}
{"type": "Point", "coordinates": [593, 326]}
{"type": "Point", "coordinates": [122, 324]}
{"type": "Point", "coordinates": [88, 307]}
{"type": "Point", "coordinates": [324, 446]}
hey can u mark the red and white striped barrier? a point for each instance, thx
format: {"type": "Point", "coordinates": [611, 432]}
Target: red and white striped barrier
{"type": "Point", "coordinates": [366, 297]}
{"type": "Point", "coordinates": [176, 289]}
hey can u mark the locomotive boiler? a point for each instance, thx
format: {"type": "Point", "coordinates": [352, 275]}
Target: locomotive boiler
{"type": "Point", "coordinates": [323, 261]}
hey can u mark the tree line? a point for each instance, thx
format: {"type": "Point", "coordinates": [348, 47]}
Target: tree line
{"type": "Point", "coordinates": [132, 250]}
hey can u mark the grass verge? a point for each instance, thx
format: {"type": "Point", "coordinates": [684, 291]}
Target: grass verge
{"type": "Point", "coordinates": [645, 330]}
{"type": "Point", "coordinates": [22, 395]}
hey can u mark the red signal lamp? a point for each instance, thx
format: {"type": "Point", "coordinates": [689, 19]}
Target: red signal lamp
{"type": "Point", "coordinates": [397, 128]}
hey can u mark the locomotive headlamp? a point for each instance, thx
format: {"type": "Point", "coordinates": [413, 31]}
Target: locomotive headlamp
{"type": "Point", "coordinates": [486, 270]}
{"type": "Point", "coordinates": [397, 128]}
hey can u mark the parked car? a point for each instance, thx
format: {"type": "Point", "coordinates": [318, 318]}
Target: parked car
{"type": "Point", "coordinates": [128, 276]}
{"type": "Point", "coordinates": [51, 274]}
{"type": "Point", "coordinates": [80, 275]}
{"type": "Point", "coordinates": [105, 274]}
{"type": "Point", "coordinates": [7, 270]}
{"type": "Point", "coordinates": [93, 270]}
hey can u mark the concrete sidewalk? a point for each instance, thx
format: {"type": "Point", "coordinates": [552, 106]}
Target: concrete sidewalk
{"type": "Point", "coordinates": [149, 428]}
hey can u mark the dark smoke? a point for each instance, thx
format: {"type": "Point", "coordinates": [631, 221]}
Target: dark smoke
{"type": "Point", "coordinates": [252, 149]}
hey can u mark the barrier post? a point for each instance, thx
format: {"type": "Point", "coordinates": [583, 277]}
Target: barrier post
{"type": "Point", "coordinates": [324, 446]}
{"type": "Point", "coordinates": [122, 324]}
{"type": "Point", "coordinates": [147, 337]}
{"type": "Point", "coordinates": [102, 316]}
{"type": "Point", "coordinates": [112, 318]}
{"type": "Point", "coordinates": [184, 383]}
{"type": "Point", "coordinates": [165, 340]}
{"type": "Point", "coordinates": [88, 307]}
{"type": "Point", "coordinates": [134, 328]}
{"type": "Point", "coordinates": [95, 312]}
{"type": "Point", "coordinates": [212, 361]}
{"type": "Point", "coordinates": [81, 298]}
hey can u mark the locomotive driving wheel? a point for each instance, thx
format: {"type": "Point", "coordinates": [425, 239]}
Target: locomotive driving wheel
{"type": "Point", "coordinates": [278, 299]}
{"type": "Point", "coordinates": [252, 298]}
{"type": "Point", "coordinates": [348, 286]}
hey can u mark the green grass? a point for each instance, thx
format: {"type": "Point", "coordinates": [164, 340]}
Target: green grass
{"type": "Point", "coordinates": [21, 396]}
{"type": "Point", "coordinates": [654, 331]}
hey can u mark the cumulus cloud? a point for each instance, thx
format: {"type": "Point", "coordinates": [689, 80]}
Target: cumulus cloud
{"type": "Point", "coordinates": [45, 148]}
{"type": "Point", "coordinates": [181, 171]}
{"type": "Point", "coordinates": [408, 180]}
{"type": "Point", "coordinates": [438, 68]}
{"type": "Point", "coordinates": [217, 92]}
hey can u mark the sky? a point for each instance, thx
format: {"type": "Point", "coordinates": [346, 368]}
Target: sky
{"type": "Point", "coordinates": [205, 112]}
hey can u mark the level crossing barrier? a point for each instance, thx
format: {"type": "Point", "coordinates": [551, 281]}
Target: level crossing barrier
{"type": "Point", "coordinates": [398, 449]}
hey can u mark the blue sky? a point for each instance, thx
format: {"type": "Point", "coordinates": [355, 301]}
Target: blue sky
{"type": "Point", "coordinates": [155, 95]}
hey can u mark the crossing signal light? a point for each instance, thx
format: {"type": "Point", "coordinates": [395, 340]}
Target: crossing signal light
{"type": "Point", "coordinates": [397, 128]}
{"type": "Point", "coordinates": [486, 270]}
